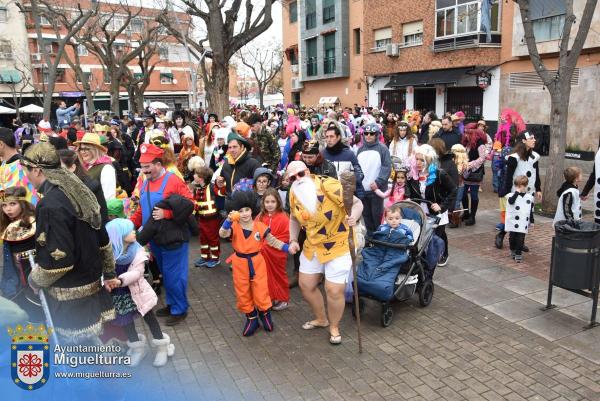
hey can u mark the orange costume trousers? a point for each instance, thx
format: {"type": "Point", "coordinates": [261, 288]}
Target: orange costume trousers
{"type": "Point", "coordinates": [250, 292]}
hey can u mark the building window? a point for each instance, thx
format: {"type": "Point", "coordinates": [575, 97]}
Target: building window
{"type": "Point", "coordinates": [106, 76]}
{"type": "Point", "coordinates": [548, 19]}
{"type": "Point", "coordinates": [293, 57]}
{"type": "Point", "coordinates": [311, 14]}
{"type": "Point", "coordinates": [6, 50]}
{"type": "Point", "coordinates": [166, 78]}
{"type": "Point", "coordinates": [163, 52]}
{"type": "Point", "coordinates": [82, 50]}
{"type": "Point", "coordinates": [3, 14]}
{"type": "Point", "coordinates": [43, 20]}
{"type": "Point", "coordinates": [550, 28]}
{"type": "Point", "coordinates": [48, 46]}
{"type": "Point", "coordinates": [293, 12]}
{"type": "Point", "coordinates": [60, 75]}
{"type": "Point", "coordinates": [138, 76]}
{"type": "Point", "coordinates": [136, 25]}
{"type": "Point", "coordinates": [383, 37]}
{"type": "Point", "coordinates": [87, 76]}
{"type": "Point", "coordinates": [459, 17]}
{"type": "Point", "coordinates": [412, 33]}
{"type": "Point", "coordinates": [329, 53]}
{"type": "Point", "coordinates": [45, 77]}
{"type": "Point", "coordinates": [311, 57]}
{"type": "Point", "coordinates": [357, 41]}
{"type": "Point", "coordinates": [328, 11]}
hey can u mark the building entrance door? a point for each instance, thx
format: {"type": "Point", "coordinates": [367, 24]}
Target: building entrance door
{"type": "Point", "coordinates": [424, 99]}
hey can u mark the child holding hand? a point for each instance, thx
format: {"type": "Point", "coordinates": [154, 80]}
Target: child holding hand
{"type": "Point", "coordinates": [250, 280]}
{"type": "Point", "coordinates": [519, 212]}
{"type": "Point", "coordinates": [396, 192]}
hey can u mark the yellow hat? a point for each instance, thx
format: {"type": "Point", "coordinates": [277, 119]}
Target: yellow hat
{"type": "Point", "coordinates": [101, 128]}
{"type": "Point", "coordinates": [91, 138]}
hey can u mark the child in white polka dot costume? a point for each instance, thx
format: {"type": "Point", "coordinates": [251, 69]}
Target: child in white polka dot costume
{"type": "Point", "coordinates": [569, 202]}
{"type": "Point", "coordinates": [519, 211]}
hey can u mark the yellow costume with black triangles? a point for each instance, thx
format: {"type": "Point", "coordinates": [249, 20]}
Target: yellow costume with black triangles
{"type": "Point", "coordinates": [326, 230]}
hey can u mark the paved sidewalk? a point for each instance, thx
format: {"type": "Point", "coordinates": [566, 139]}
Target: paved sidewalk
{"type": "Point", "coordinates": [452, 350]}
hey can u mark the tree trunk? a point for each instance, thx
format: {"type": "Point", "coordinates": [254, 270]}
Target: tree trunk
{"type": "Point", "coordinates": [217, 92]}
{"type": "Point", "coordinates": [48, 91]}
{"type": "Point", "coordinates": [261, 96]}
{"type": "Point", "coordinates": [89, 96]}
{"type": "Point", "coordinates": [559, 107]}
{"type": "Point", "coordinates": [139, 101]}
{"type": "Point", "coordinates": [114, 95]}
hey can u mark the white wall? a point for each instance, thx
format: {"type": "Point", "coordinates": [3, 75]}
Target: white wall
{"type": "Point", "coordinates": [378, 85]}
{"type": "Point", "coordinates": [410, 98]}
{"type": "Point", "coordinates": [491, 97]}
{"type": "Point", "coordinates": [14, 31]}
{"type": "Point", "coordinates": [440, 100]}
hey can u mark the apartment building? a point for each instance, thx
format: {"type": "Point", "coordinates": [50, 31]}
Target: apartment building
{"type": "Point", "coordinates": [15, 65]}
{"type": "Point", "coordinates": [521, 87]}
{"type": "Point", "coordinates": [434, 55]}
{"type": "Point", "coordinates": [170, 82]}
{"type": "Point", "coordinates": [323, 52]}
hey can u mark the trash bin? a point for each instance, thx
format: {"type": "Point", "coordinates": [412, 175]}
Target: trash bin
{"type": "Point", "coordinates": [575, 264]}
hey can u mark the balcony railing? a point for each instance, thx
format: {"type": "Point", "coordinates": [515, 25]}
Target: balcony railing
{"type": "Point", "coordinates": [329, 65]}
{"type": "Point", "coordinates": [465, 42]}
{"type": "Point", "coordinates": [311, 68]}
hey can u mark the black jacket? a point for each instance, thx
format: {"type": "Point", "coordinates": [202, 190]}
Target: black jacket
{"type": "Point", "coordinates": [325, 168]}
{"type": "Point", "coordinates": [442, 191]}
{"type": "Point", "coordinates": [171, 233]}
{"type": "Point", "coordinates": [447, 164]}
{"type": "Point", "coordinates": [96, 188]}
{"type": "Point", "coordinates": [450, 138]}
{"type": "Point", "coordinates": [243, 168]}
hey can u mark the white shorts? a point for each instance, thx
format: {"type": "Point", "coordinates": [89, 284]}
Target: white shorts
{"type": "Point", "coordinates": [336, 270]}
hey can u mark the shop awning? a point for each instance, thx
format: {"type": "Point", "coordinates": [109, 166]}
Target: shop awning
{"type": "Point", "coordinates": [10, 77]}
{"type": "Point", "coordinates": [329, 100]}
{"type": "Point", "coordinates": [432, 77]}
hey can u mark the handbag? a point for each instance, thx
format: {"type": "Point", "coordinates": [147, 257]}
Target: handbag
{"type": "Point", "coordinates": [475, 175]}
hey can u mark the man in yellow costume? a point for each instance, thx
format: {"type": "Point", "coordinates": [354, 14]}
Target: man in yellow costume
{"type": "Point", "coordinates": [317, 205]}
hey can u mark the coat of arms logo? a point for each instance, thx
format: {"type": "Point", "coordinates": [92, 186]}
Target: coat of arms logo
{"type": "Point", "coordinates": [30, 355]}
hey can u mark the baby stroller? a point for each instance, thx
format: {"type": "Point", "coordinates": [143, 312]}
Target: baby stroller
{"type": "Point", "coordinates": [404, 279]}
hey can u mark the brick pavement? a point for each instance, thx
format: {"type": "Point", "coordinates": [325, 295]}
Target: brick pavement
{"type": "Point", "coordinates": [452, 350]}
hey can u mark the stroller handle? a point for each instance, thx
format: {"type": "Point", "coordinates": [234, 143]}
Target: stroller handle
{"type": "Point", "coordinates": [388, 244]}
{"type": "Point", "coordinates": [436, 216]}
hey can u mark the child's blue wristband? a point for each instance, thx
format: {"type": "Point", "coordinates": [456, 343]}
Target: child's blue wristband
{"type": "Point", "coordinates": [285, 247]}
{"type": "Point", "coordinates": [227, 224]}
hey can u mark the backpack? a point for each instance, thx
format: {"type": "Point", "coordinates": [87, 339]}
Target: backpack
{"type": "Point", "coordinates": [501, 165]}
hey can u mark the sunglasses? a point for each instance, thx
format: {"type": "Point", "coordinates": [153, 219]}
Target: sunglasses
{"type": "Point", "coordinates": [299, 174]}
{"type": "Point", "coordinates": [367, 133]}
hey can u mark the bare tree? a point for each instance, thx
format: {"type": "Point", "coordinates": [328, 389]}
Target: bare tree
{"type": "Point", "coordinates": [64, 30]}
{"type": "Point", "coordinates": [23, 85]}
{"type": "Point", "coordinates": [559, 86]}
{"type": "Point", "coordinates": [219, 18]}
{"type": "Point", "coordinates": [83, 81]}
{"type": "Point", "coordinates": [136, 83]}
{"type": "Point", "coordinates": [109, 37]}
{"type": "Point", "coordinates": [265, 63]}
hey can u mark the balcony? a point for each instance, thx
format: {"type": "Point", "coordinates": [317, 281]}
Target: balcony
{"type": "Point", "coordinates": [466, 42]}
{"type": "Point", "coordinates": [329, 65]}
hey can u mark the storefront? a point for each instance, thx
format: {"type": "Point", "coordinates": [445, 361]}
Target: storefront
{"type": "Point", "coordinates": [473, 90]}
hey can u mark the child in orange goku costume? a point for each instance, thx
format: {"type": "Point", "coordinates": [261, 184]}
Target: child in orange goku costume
{"type": "Point", "coordinates": [249, 267]}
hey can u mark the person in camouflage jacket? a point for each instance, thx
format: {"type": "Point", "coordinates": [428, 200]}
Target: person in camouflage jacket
{"type": "Point", "coordinates": [264, 144]}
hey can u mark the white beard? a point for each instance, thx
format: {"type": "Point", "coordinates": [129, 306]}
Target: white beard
{"type": "Point", "coordinates": [305, 191]}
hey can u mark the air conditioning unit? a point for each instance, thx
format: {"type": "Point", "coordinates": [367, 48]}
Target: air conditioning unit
{"type": "Point", "coordinates": [392, 50]}
{"type": "Point", "coordinates": [36, 57]}
{"type": "Point", "coordinates": [294, 68]}
{"type": "Point", "coordinates": [296, 84]}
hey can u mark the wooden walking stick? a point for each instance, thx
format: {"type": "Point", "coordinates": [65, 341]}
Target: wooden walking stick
{"type": "Point", "coordinates": [348, 180]}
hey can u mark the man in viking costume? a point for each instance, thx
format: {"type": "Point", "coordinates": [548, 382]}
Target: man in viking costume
{"type": "Point", "coordinates": [73, 251]}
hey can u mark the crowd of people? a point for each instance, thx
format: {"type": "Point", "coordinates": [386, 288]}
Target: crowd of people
{"type": "Point", "coordinates": [105, 206]}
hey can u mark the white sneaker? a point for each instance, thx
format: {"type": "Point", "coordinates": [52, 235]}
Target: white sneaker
{"type": "Point", "coordinates": [281, 305]}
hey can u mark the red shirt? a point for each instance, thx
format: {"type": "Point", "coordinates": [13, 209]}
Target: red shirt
{"type": "Point", "coordinates": [175, 185]}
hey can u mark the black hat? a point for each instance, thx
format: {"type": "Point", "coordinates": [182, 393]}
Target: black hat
{"type": "Point", "coordinates": [148, 115]}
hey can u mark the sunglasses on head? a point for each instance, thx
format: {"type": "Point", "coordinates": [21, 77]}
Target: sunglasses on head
{"type": "Point", "coordinates": [299, 174]}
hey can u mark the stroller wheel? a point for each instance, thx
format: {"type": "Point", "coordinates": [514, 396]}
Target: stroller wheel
{"type": "Point", "coordinates": [426, 293]}
{"type": "Point", "coordinates": [361, 307]}
{"type": "Point", "coordinates": [387, 314]}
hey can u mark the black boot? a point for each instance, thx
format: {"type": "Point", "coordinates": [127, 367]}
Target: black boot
{"type": "Point", "coordinates": [251, 324]}
{"type": "Point", "coordinates": [500, 239]}
{"type": "Point", "coordinates": [473, 212]}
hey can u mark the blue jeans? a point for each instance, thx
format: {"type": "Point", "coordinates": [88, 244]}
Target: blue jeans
{"type": "Point", "coordinates": [459, 195]}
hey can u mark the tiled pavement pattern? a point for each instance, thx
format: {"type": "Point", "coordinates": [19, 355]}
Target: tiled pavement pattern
{"type": "Point", "coordinates": [452, 350]}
